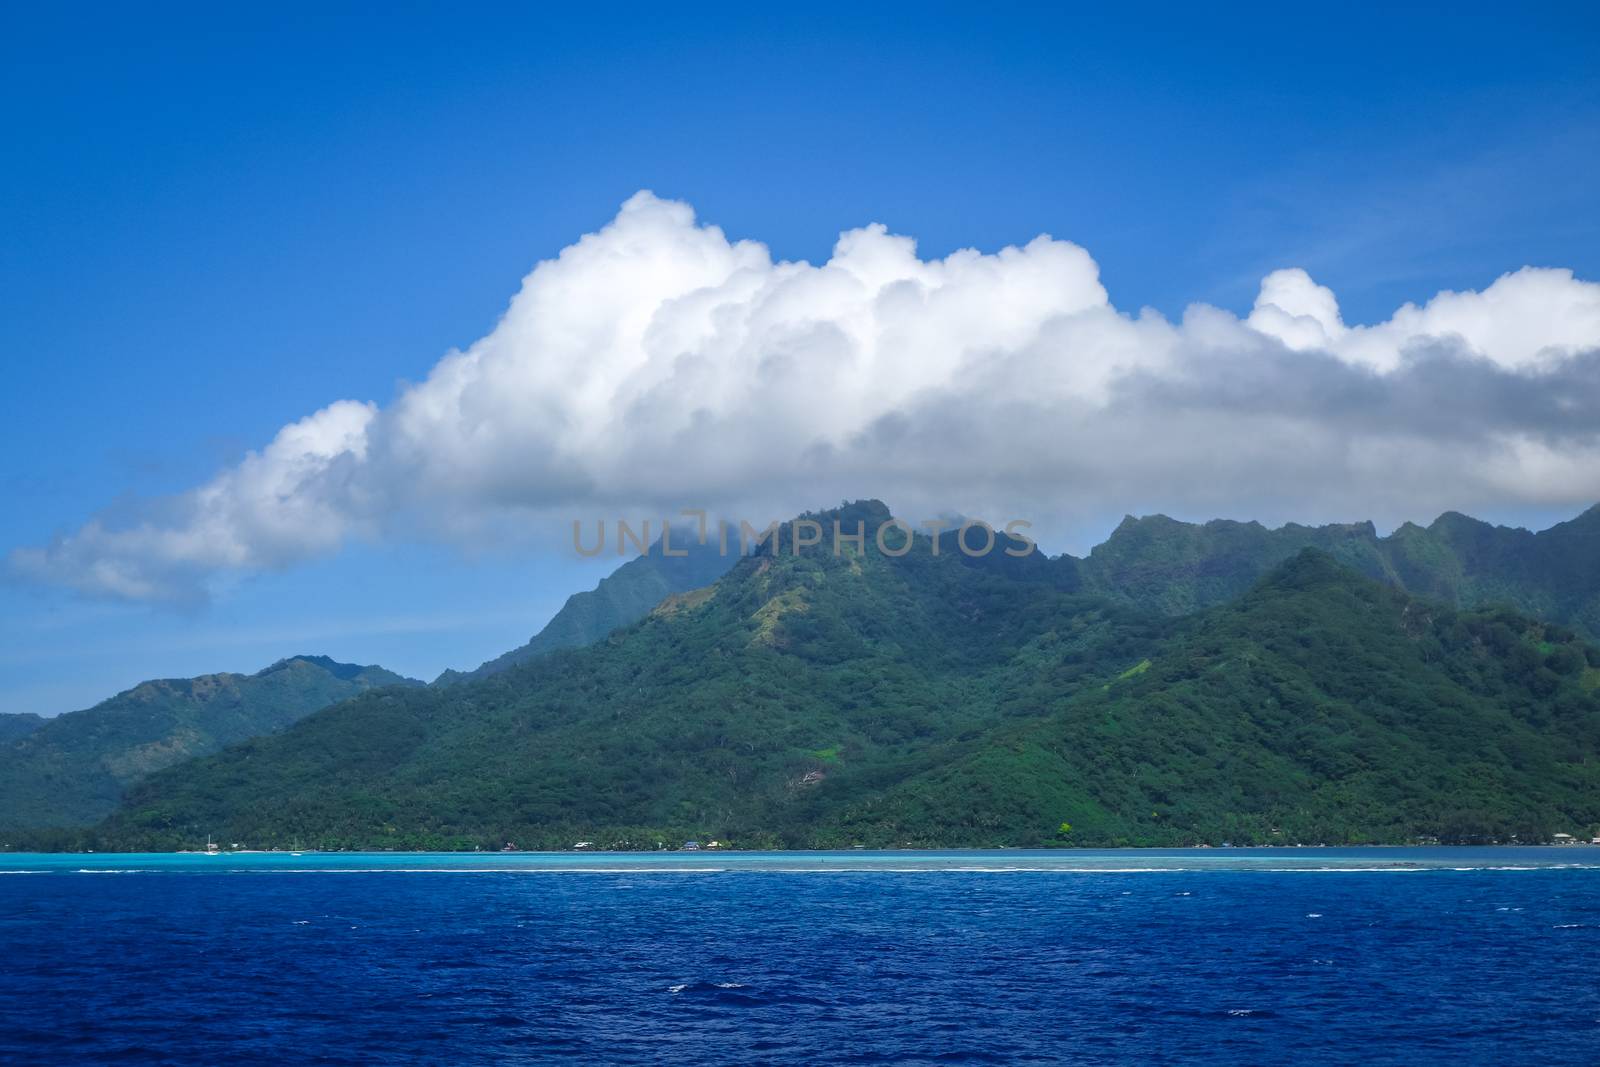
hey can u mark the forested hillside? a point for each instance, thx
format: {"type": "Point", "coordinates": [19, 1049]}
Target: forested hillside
{"type": "Point", "coordinates": [1177, 567]}
{"type": "Point", "coordinates": [72, 769]}
{"type": "Point", "coordinates": [624, 596]}
{"type": "Point", "coordinates": [18, 724]}
{"type": "Point", "coordinates": [819, 700]}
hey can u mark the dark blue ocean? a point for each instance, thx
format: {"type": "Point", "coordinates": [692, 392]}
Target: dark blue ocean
{"type": "Point", "coordinates": [1282, 956]}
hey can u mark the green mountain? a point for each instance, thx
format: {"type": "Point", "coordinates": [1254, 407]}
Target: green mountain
{"type": "Point", "coordinates": [625, 596]}
{"type": "Point", "coordinates": [935, 699]}
{"type": "Point", "coordinates": [1321, 707]}
{"type": "Point", "coordinates": [73, 769]}
{"type": "Point", "coordinates": [1178, 568]}
{"type": "Point", "coordinates": [18, 724]}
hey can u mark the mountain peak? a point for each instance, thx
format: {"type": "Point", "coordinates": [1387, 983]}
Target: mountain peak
{"type": "Point", "coordinates": [73, 768]}
{"type": "Point", "coordinates": [343, 671]}
{"type": "Point", "coordinates": [872, 513]}
{"type": "Point", "coordinates": [1146, 522]}
{"type": "Point", "coordinates": [1455, 520]}
{"type": "Point", "coordinates": [1311, 568]}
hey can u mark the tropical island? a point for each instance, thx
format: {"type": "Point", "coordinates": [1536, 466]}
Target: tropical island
{"type": "Point", "coordinates": [1180, 685]}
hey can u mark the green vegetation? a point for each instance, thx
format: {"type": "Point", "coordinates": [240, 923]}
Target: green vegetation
{"type": "Point", "coordinates": [72, 769]}
{"type": "Point", "coordinates": [19, 724]}
{"type": "Point", "coordinates": [1134, 671]}
{"type": "Point", "coordinates": [815, 701]}
{"type": "Point", "coordinates": [1178, 568]}
{"type": "Point", "coordinates": [1322, 707]}
{"type": "Point", "coordinates": [627, 595]}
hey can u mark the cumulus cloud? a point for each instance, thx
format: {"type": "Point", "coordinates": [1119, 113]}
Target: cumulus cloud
{"type": "Point", "coordinates": [655, 365]}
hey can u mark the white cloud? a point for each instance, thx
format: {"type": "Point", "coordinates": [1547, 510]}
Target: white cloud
{"type": "Point", "coordinates": [279, 505]}
{"type": "Point", "coordinates": [1525, 317]}
{"type": "Point", "coordinates": [1297, 311]}
{"type": "Point", "coordinates": [655, 365]}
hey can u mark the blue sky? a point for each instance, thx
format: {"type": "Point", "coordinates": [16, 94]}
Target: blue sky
{"type": "Point", "coordinates": [218, 222]}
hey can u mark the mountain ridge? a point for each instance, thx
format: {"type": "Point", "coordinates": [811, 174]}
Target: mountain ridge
{"type": "Point", "coordinates": [1196, 565]}
{"type": "Point", "coordinates": [17, 724]}
{"type": "Point", "coordinates": [624, 596]}
{"type": "Point", "coordinates": [818, 700]}
{"type": "Point", "coordinates": [73, 768]}
{"type": "Point", "coordinates": [1177, 567]}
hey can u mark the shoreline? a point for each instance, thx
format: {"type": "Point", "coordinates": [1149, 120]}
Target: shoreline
{"type": "Point", "coordinates": [1351, 859]}
{"type": "Point", "coordinates": [1576, 846]}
